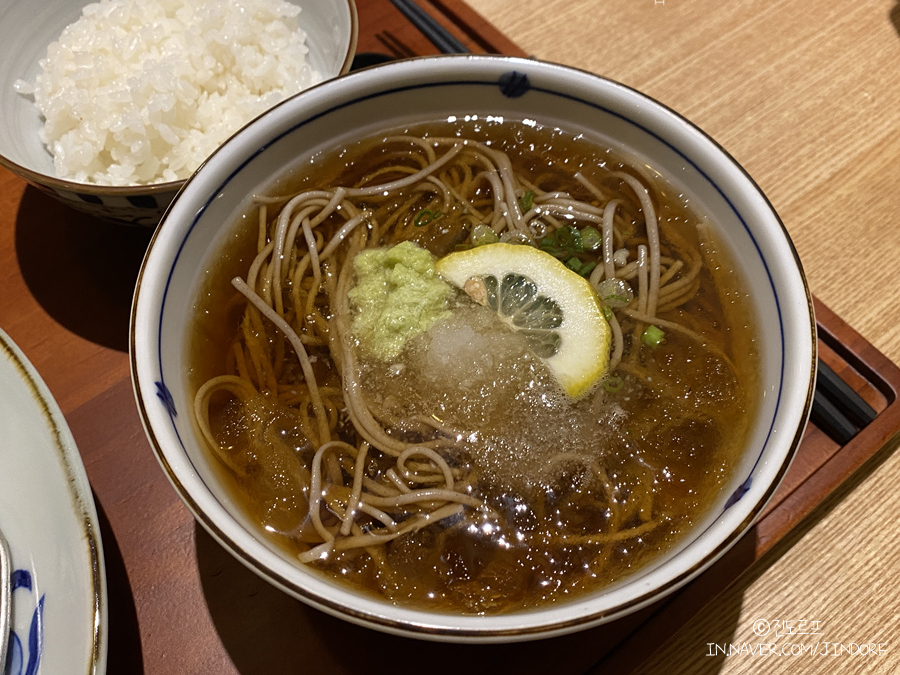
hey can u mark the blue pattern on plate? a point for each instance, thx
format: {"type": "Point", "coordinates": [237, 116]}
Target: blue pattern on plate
{"type": "Point", "coordinates": [15, 659]}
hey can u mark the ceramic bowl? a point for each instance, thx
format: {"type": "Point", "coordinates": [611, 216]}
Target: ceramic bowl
{"type": "Point", "coordinates": [27, 28]}
{"type": "Point", "coordinates": [57, 593]}
{"type": "Point", "coordinates": [435, 88]}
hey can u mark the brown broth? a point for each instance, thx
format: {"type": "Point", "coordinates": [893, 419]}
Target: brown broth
{"type": "Point", "coordinates": [566, 477]}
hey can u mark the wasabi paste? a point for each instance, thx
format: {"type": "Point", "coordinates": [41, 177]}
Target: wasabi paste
{"type": "Point", "coordinates": [398, 295]}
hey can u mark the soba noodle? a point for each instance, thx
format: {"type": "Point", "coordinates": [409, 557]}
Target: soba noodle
{"type": "Point", "coordinates": [450, 495]}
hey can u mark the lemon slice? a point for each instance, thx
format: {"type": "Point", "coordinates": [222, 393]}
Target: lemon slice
{"type": "Point", "coordinates": [538, 296]}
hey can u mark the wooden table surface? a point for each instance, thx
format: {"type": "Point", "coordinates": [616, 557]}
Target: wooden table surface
{"type": "Point", "coordinates": [805, 95]}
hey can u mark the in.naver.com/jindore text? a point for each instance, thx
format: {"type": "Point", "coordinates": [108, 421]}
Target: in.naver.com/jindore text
{"type": "Point", "coordinates": [822, 649]}
{"type": "Point", "coordinates": [798, 638]}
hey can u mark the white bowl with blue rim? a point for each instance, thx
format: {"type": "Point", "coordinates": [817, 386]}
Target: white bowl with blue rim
{"type": "Point", "coordinates": [27, 28]}
{"type": "Point", "coordinates": [434, 88]}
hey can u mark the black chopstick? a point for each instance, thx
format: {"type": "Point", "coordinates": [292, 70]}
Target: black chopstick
{"type": "Point", "coordinates": [837, 409]}
{"type": "Point", "coordinates": [843, 396]}
{"type": "Point", "coordinates": [831, 420]}
{"type": "Point", "coordinates": [439, 36]}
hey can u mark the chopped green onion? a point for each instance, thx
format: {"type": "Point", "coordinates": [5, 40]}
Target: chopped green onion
{"type": "Point", "coordinates": [526, 201]}
{"type": "Point", "coordinates": [613, 383]}
{"type": "Point", "coordinates": [653, 336]}
{"type": "Point", "coordinates": [484, 234]}
{"type": "Point", "coordinates": [587, 268]}
{"type": "Point", "coordinates": [591, 238]}
{"type": "Point", "coordinates": [607, 313]}
{"type": "Point", "coordinates": [548, 244]}
{"type": "Point", "coordinates": [567, 242]}
{"type": "Point", "coordinates": [574, 264]}
{"type": "Point", "coordinates": [425, 216]}
{"type": "Point", "coordinates": [615, 292]}
{"type": "Point", "coordinates": [569, 238]}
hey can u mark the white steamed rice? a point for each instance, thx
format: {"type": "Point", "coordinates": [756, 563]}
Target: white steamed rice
{"type": "Point", "coordinates": [142, 91]}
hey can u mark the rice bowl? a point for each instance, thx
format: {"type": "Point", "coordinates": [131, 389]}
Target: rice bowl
{"type": "Point", "coordinates": [27, 31]}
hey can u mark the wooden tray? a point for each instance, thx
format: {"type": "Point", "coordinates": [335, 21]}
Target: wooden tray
{"type": "Point", "coordinates": [180, 603]}
{"type": "Point", "coordinates": [383, 29]}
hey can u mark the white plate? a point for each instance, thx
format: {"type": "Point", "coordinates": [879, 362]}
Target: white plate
{"type": "Point", "coordinates": [49, 521]}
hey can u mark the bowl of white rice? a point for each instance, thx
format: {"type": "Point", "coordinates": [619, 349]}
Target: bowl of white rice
{"type": "Point", "coordinates": [111, 105]}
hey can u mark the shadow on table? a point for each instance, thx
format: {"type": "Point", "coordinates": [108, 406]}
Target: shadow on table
{"type": "Point", "coordinates": [124, 653]}
{"type": "Point", "coordinates": [267, 631]}
{"type": "Point", "coordinates": [80, 269]}
{"type": "Point", "coordinates": [895, 16]}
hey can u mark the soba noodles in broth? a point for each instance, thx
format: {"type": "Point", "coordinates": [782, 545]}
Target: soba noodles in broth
{"type": "Point", "coordinates": [455, 473]}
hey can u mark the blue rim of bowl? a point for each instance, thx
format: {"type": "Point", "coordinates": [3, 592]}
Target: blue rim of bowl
{"type": "Point", "coordinates": [410, 627]}
{"type": "Point", "coordinates": [44, 180]}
